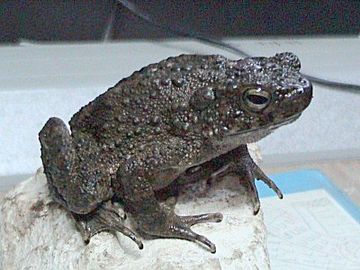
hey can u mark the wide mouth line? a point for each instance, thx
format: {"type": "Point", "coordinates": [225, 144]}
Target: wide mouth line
{"type": "Point", "coordinates": [270, 126]}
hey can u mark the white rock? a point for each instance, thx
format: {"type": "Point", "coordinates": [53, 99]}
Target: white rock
{"type": "Point", "coordinates": [36, 233]}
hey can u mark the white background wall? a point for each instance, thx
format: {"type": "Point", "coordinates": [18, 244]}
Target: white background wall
{"type": "Point", "coordinates": [38, 81]}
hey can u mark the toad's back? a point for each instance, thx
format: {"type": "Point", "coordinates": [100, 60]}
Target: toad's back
{"type": "Point", "coordinates": [142, 103]}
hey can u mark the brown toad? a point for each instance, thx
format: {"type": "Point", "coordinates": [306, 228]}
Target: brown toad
{"type": "Point", "coordinates": [184, 119]}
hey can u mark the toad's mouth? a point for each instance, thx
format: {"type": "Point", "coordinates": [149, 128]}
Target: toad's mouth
{"type": "Point", "coordinates": [286, 121]}
{"type": "Point", "coordinates": [269, 127]}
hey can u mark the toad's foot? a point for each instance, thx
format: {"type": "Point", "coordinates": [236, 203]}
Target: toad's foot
{"type": "Point", "coordinates": [237, 162]}
{"type": "Point", "coordinates": [242, 165]}
{"type": "Point", "coordinates": [249, 174]}
{"type": "Point", "coordinates": [105, 218]}
{"type": "Point", "coordinates": [155, 219]}
{"type": "Point", "coordinates": [180, 227]}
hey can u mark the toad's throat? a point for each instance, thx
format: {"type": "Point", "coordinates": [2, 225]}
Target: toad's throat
{"type": "Point", "coordinates": [270, 127]}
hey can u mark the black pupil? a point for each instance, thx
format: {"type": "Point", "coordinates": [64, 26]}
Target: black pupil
{"type": "Point", "coordinates": [258, 100]}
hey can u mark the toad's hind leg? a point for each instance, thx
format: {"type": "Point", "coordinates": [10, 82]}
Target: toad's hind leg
{"type": "Point", "coordinates": [86, 195]}
{"type": "Point", "coordinates": [105, 218]}
{"type": "Point", "coordinates": [156, 220]}
{"type": "Point", "coordinates": [67, 186]}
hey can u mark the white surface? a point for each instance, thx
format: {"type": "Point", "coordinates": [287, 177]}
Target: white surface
{"type": "Point", "coordinates": [37, 235]}
{"type": "Point", "coordinates": [311, 231]}
{"type": "Point", "coordinates": [40, 81]}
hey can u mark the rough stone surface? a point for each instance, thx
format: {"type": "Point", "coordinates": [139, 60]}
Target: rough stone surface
{"type": "Point", "coordinates": [36, 233]}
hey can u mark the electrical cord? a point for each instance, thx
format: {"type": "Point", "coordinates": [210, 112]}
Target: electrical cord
{"type": "Point", "coordinates": [225, 46]}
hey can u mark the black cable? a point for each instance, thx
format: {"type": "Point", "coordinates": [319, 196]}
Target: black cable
{"type": "Point", "coordinates": [218, 43]}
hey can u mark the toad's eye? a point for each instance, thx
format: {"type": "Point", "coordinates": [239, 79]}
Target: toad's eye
{"type": "Point", "coordinates": [256, 99]}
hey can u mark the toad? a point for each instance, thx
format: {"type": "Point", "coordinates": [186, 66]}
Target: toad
{"type": "Point", "coordinates": [183, 119]}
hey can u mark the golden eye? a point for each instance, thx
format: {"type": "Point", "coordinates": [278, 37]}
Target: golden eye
{"type": "Point", "coordinates": [256, 99]}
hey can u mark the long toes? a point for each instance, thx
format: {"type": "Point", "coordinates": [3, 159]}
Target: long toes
{"type": "Point", "coordinates": [272, 185]}
{"type": "Point", "coordinates": [188, 234]}
{"type": "Point", "coordinates": [206, 242]}
{"type": "Point", "coordinates": [129, 233]}
{"type": "Point", "coordinates": [260, 175]}
{"type": "Point", "coordinates": [111, 221]}
{"type": "Point", "coordinates": [277, 190]}
{"type": "Point", "coordinates": [88, 227]}
{"type": "Point", "coordinates": [254, 197]}
{"type": "Point", "coordinates": [256, 207]}
{"type": "Point", "coordinates": [211, 217]}
{"type": "Point", "coordinates": [107, 218]}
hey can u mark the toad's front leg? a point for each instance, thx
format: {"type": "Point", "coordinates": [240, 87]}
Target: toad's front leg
{"type": "Point", "coordinates": [238, 162]}
{"type": "Point", "coordinates": [154, 219]}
